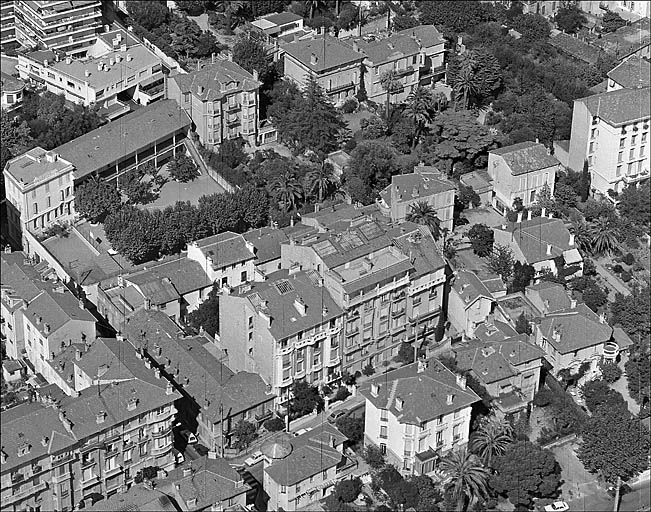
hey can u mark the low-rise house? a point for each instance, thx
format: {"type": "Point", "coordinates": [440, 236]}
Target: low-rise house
{"type": "Point", "coordinates": [572, 337]}
{"type": "Point", "coordinates": [334, 64]}
{"type": "Point", "coordinates": [215, 398]}
{"type": "Point", "coordinates": [339, 160]}
{"type": "Point", "coordinates": [221, 98]}
{"type": "Point", "coordinates": [548, 297]}
{"type": "Point", "coordinates": [266, 244]}
{"type": "Point", "coordinates": [508, 369]}
{"type": "Point", "coordinates": [278, 28]}
{"type": "Point", "coordinates": [13, 371]}
{"type": "Point", "coordinates": [303, 470]}
{"type": "Point", "coordinates": [631, 73]}
{"type": "Point", "coordinates": [425, 184]}
{"type": "Point", "coordinates": [469, 302]}
{"type": "Point", "coordinates": [417, 413]}
{"type": "Point", "coordinates": [543, 242]}
{"type": "Point", "coordinates": [520, 171]}
{"type": "Point", "coordinates": [481, 183]}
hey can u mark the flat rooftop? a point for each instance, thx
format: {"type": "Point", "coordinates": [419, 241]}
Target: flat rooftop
{"type": "Point", "coordinates": [35, 165]}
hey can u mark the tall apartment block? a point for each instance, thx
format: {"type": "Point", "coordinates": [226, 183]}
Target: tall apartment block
{"type": "Point", "coordinates": [69, 27]}
{"type": "Point", "coordinates": [7, 26]}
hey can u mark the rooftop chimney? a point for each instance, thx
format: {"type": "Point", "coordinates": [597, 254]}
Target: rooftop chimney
{"type": "Point", "coordinates": [543, 213]}
{"type": "Point", "coordinates": [45, 440]}
{"type": "Point", "coordinates": [375, 389]}
{"type": "Point", "coordinates": [602, 317]}
{"type": "Point", "coordinates": [314, 59]}
{"type": "Point", "coordinates": [549, 249]}
{"type": "Point", "coordinates": [200, 89]}
{"type": "Point", "coordinates": [572, 304]}
{"type": "Point", "coordinates": [461, 381]}
{"type": "Point", "coordinates": [132, 404]}
{"type": "Point", "coordinates": [169, 389]}
{"type": "Point", "coordinates": [519, 217]}
{"type": "Point", "coordinates": [77, 354]}
{"type": "Point", "coordinates": [422, 365]}
{"type": "Point", "coordinates": [450, 399]}
{"type": "Point", "coordinates": [101, 416]}
{"type": "Point", "coordinates": [38, 320]}
{"type": "Point", "coordinates": [399, 403]}
{"type": "Point", "coordinates": [100, 65]}
{"type": "Point", "coordinates": [46, 328]}
{"type": "Point", "coordinates": [68, 60]}
{"type": "Point", "coordinates": [129, 57]}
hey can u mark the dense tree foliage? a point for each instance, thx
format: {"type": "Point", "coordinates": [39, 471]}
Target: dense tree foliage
{"type": "Point", "coordinates": [372, 164]}
{"type": "Point", "coordinates": [522, 277]}
{"type": "Point", "coordinates": [638, 377]}
{"type": "Point", "coordinates": [402, 493]}
{"type": "Point", "coordinates": [451, 16]}
{"type": "Point", "coordinates": [207, 314]}
{"type": "Point", "coordinates": [306, 399]}
{"type": "Point", "coordinates": [481, 238]}
{"type": "Point", "coordinates": [532, 26]}
{"type": "Point", "coordinates": [635, 204]}
{"type": "Point", "coordinates": [249, 52]}
{"type": "Point", "coordinates": [468, 477]}
{"type": "Point", "coordinates": [570, 18]}
{"type": "Point", "coordinates": [244, 434]}
{"type": "Point", "coordinates": [96, 199]}
{"type": "Point", "coordinates": [344, 491]}
{"type": "Point", "coordinates": [611, 22]}
{"type": "Point", "coordinates": [182, 168]}
{"type": "Point", "coordinates": [501, 261]}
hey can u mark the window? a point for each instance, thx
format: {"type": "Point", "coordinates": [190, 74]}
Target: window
{"type": "Point", "coordinates": [128, 455]}
{"type": "Point", "coordinates": [642, 148]}
{"type": "Point", "coordinates": [49, 201]}
{"type": "Point", "coordinates": [631, 154]}
{"type": "Point", "coordinates": [143, 449]}
{"type": "Point", "coordinates": [413, 61]}
{"type": "Point", "coordinates": [620, 157]}
{"type": "Point", "coordinates": [186, 97]}
{"type": "Point", "coordinates": [383, 448]}
{"type": "Point", "coordinates": [298, 488]}
{"type": "Point", "coordinates": [644, 137]}
{"type": "Point", "coordinates": [35, 208]}
{"type": "Point", "coordinates": [439, 420]}
{"type": "Point", "coordinates": [633, 139]}
{"type": "Point", "coordinates": [109, 464]}
{"type": "Point", "coordinates": [456, 432]}
{"type": "Point", "coordinates": [224, 281]}
{"type": "Point", "coordinates": [283, 489]}
{"type": "Point", "coordinates": [383, 432]}
{"type": "Point", "coordinates": [439, 438]}
{"type": "Point", "coordinates": [593, 133]}
{"type": "Point", "coordinates": [622, 143]}
{"type": "Point", "coordinates": [630, 167]}
{"type": "Point", "coordinates": [532, 196]}
{"type": "Point", "coordinates": [384, 415]}
{"type": "Point", "coordinates": [131, 78]}
{"type": "Point", "coordinates": [68, 192]}
{"type": "Point", "coordinates": [243, 277]}
{"type": "Point", "coordinates": [619, 170]}
{"type": "Point", "coordinates": [250, 322]}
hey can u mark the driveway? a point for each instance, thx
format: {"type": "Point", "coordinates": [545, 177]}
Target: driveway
{"type": "Point", "coordinates": [612, 281]}
{"type": "Point", "coordinates": [578, 483]}
{"type": "Point", "coordinates": [621, 385]}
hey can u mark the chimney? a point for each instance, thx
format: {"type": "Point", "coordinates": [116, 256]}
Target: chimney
{"type": "Point", "coordinates": [325, 312]}
{"type": "Point", "coordinates": [111, 61]}
{"type": "Point", "coordinates": [101, 416]}
{"type": "Point", "coordinates": [543, 213]}
{"type": "Point", "coordinates": [519, 217]}
{"type": "Point", "coordinates": [529, 215]}
{"type": "Point", "coordinates": [100, 65]}
{"type": "Point", "coordinates": [123, 47]}
{"type": "Point", "coordinates": [314, 59]}
{"type": "Point", "coordinates": [355, 47]}
{"type": "Point", "coordinates": [107, 28]}
{"type": "Point", "coordinates": [132, 404]}
{"type": "Point", "coordinates": [157, 373]}
{"type": "Point", "coordinates": [46, 328]}
{"type": "Point", "coordinates": [45, 440]}
{"type": "Point", "coordinates": [461, 381]}
{"type": "Point", "coordinates": [68, 60]}
{"type": "Point", "coordinates": [256, 75]}
{"type": "Point", "coordinates": [602, 317]}
{"type": "Point", "coordinates": [77, 354]}
{"type": "Point", "coordinates": [549, 249]}
{"type": "Point", "coordinates": [571, 242]}
{"type": "Point", "coordinates": [200, 89]}
{"type": "Point", "coordinates": [556, 335]}
{"type": "Point", "coordinates": [422, 365]}
{"type": "Point", "coordinates": [572, 304]}
{"type": "Point", "coordinates": [450, 399]}
{"type": "Point", "coordinates": [399, 403]}
{"type": "Point", "coordinates": [169, 389]}
{"type": "Point", "coordinates": [118, 58]}
{"type": "Point", "coordinates": [129, 57]}
{"type": "Point", "coordinates": [81, 304]}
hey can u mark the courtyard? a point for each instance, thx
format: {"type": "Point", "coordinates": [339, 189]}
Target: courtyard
{"type": "Point", "coordinates": [173, 191]}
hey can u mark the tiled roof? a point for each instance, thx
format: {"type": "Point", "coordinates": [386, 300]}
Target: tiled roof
{"type": "Point", "coordinates": [578, 328]}
{"type": "Point", "coordinates": [211, 481]}
{"type": "Point", "coordinates": [494, 331]}
{"type": "Point", "coordinates": [620, 107]}
{"type": "Point", "coordinates": [281, 291]}
{"type": "Point", "coordinates": [469, 287]}
{"type": "Point", "coordinates": [55, 309]}
{"type": "Point", "coordinates": [396, 46]}
{"type": "Point", "coordinates": [425, 255]}
{"type": "Point", "coordinates": [109, 143]}
{"type": "Point", "coordinates": [137, 499]}
{"type": "Point", "coordinates": [424, 394]}
{"type": "Point", "coordinates": [18, 280]}
{"type": "Point", "coordinates": [575, 47]}
{"type": "Point", "coordinates": [633, 73]}
{"type": "Point", "coordinates": [552, 295]}
{"type": "Point", "coordinates": [525, 157]}
{"type": "Point", "coordinates": [266, 242]}
{"type": "Point", "coordinates": [10, 84]}
{"type": "Point", "coordinates": [494, 361]}
{"type": "Point", "coordinates": [427, 35]}
{"type": "Point", "coordinates": [210, 383]}
{"type": "Point", "coordinates": [282, 18]}
{"type": "Point", "coordinates": [622, 339]}
{"type": "Point", "coordinates": [225, 249]}
{"type": "Point", "coordinates": [533, 236]}
{"type": "Point", "coordinates": [312, 453]}
{"type": "Point", "coordinates": [28, 424]}
{"type": "Point", "coordinates": [493, 283]}
{"type": "Point", "coordinates": [329, 51]}
{"type": "Point", "coordinates": [418, 185]}
{"type": "Point", "coordinates": [326, 217]}
{"type": "Point", "coordinates": [339, 157]}
{"type": "Point", "coordinates": [214, 80]}
{"type": "Point", "coordinates": [33, 165]}
{"type": "Point", "coordinates": [480, 182]}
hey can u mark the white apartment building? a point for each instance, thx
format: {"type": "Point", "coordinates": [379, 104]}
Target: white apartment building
{"type": "Point", "coordinates": [611, 132]}
{"type": "Point", "coordinates": [417, 413]}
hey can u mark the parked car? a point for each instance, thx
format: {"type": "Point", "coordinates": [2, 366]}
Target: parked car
{"type": "Point", "coordinates": [557, 506]}
{"type": "Point", "coordinates": [254, 458]}
{"type": "Point", "coordinates": [336, 415]}
{"type": "Point", "coordinates": [623, 489]}
{"type": "Point", "coordinates": [189, 437]}
{"type": "Point", "coordinates": [301, 431]}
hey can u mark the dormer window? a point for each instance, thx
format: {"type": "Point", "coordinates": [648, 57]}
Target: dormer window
{"type": "Point", "coordinates": [375, 389]}
{"type": "Point", "coordinates": [24, 449]}
{"type": "Point", "coordinates": [399, 403]}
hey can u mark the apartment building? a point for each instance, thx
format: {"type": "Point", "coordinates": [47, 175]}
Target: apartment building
{"type": "Point", "coordinates": [69, 27]}
{"type": "Point", "coordinates": [631, 73]}
{"type": "Point", "coordinates": [300, 471]}
{"type": "Point", "coordinates": [214, 398]}
{"type": "Point", "coordinates": [285, 329]}
{"type": "Point", "coordinates": [417, 56]}
{"type": "Point", "coordinates": [542, 242]}
{"type": "Point", "coordinates": [520, 171]}
{"type": "Point", "coordinates": [508, 369]}
{"type": "Point", "coordinates": [611, 132]}
{"type": "Point", "coordinates": [334, 64]}
{"type": "Point", "coordinates": [222, 99]}
{"type": "Point", "coordinates": [388, 280]}
{"type": "Point", "coordinates": [62, 452]}
{"type": "Point", "coordinates": [469, 302]}
{"type": "Point", "coordinates": [425, 184]}
{"type": "Point", "coordinates": [8, 39]}
{"type": "Point", "coordinates": [40, 192]}
{"type": "Point", "coordinates": [115, 64]}
{"type": "Point", "coordinates": [417, 413]}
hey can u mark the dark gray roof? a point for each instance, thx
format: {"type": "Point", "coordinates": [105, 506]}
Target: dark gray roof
{"type": "Point", "coordinates": [620, 107]}
{"type": "Point", "coordinates": [633, 73]}
{"type": "Point", "coordinates": [330, 53]}
{"type": "Point", "coordinates": [225, 249]}
{"type": "Point", "coordinates": [525, 157]}
{"type": "Point", "coordinates": [212, 77]}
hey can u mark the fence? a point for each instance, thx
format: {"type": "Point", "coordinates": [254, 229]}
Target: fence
{"type": "Point", "coordinates": [196, 154]}
{"type": "Point", "coordinates": [560, 441]}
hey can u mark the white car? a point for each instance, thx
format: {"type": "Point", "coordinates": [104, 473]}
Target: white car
{"type": "Point", "coordinates": [557, 506]}
{"type": "Point", "coordinates": [254, 458]}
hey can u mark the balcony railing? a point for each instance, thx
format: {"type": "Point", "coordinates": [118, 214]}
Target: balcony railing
{"type": "Point", "coordinates": [7, 501]}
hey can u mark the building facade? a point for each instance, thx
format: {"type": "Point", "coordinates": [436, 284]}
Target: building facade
{"type": "Point", "coordinates": [222, 99]}
{"type": "Point", "coordinates": [610, 131]}
{"type": "Point", "coordinates": [469, 303]}
{"type": "Point", "coordinates": [8, 39]}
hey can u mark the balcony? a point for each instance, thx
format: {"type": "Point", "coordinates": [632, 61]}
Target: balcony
{"type": "Point", "coordinates": [261, 417]}
{"type": "Point", "coordinates": [156, 452]}
{"type": "Point", "coordinates": [399, 312]}
{"type": "Point", "coordinates": [285, 351]}
{"type": "Point", "coordinates": [352, 331]}
{"type": "Point", "coordinates": [232, 120]}
{"type": "Point", "coordinates": [334, 330]}
{"type": "Point", "coordinates": [231, 107]}
{"type": "Point", "coordinates": [404, 72]}
{"type": "Point", "coordinates": [19, 496]}
{"type": "Point", "coordinates": [343, 87]}
{"type": "Point", "coordinates": [635, 177]}
{"type": "Point", "coordinates": [162, 432]}
{"type": "Point", "coordinates": [611, 350]}
{"type": "Point", "coordinates": [334, 362]}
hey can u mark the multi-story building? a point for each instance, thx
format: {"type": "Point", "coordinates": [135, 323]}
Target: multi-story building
{"type": "Point", "coordinates": [304, 469]}
{"type": "Point", "coordinates": [548, 297]}
{"type": "Point", "coordinates": [417, 55]}
{"type": "Point", "coordinates": [540, 242]}
{"type": "Point", "coordinates": [285, 329]}
{"type": "Point", "coordinates": [425, 184]}
{"type": "Point", "coordinates": [631, 73]}
{"type": "Point", "coordinates": [40, 192]}
{"type": "Point", "coordinates": [469, 302]}
{"type": "Point", "coordinates": [520, 171]}
{"type": "Point", "coordinates": [610, 131]}
{"type": "Point", "coordinates": [266, 244]}
{"type": "Point", "coordinates": [116, 64]}
{"type": "Point", "coordinates": [222, 99]}
{"type": "Point", "coordinates": [214, 398]}
{"type": "Point", "coordinates": [334, 64]}
{"type": "Point", "coordinates": [388, 281]}
{"type": "Point", "coordinates": [508, 369]}
{"type": "Point", "coordinates": [12, 91]}
{"type": "Point", "coordinates": [279, 27]}
{"type": "Point", "coordinates": [61, 452]}
{"type": "Point", "coordinates": [8, 39]}
{"type": "Point", "coordinates": [417, 413]}
{"type": "Point", "coordinates": [69, 27]}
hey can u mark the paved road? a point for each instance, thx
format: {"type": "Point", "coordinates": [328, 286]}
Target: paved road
{"type": "Point", "coordinates": [352, 402]}
{"type": "Point", "coordinates": [636, 501]}
{"type": "Point", "coordinates": [613, 282]}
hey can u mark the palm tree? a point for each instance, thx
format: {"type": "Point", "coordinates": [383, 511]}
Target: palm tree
{"type": "Point", "coordinates": [314, 5]}
{"type": "Point", "coordinates": [321, 180]}
{"type": "Point", "coordinates": [465, 85]}
{"type": "Point", "coordinates": [420, 104]}
{"type": "Point", "coordinates": [440, 100]}
{"type": "Point", "coordinates": [425, 214]}
{"type": "Point", "coordinates": [392, 85]}
{"type": "Point", "coordinates": [287, 190]}
{"type": "Point", "coordinates": [604, 239]}
{"type": "Point", "coordinates": [492, 439]}
{"type": "Point", "coordinates": [582, 235]}
{"type": "Point", "coordinates": [469, 477]}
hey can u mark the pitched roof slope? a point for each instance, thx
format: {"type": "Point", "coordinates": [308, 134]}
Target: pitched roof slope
{"type": "Point", "coordinates": [533, 236]}
{"type": "Point", "coordinates": [574, 328]}
{"type": "Point", "coordinates": [225, 249]}
{"type": "Point", "coordinates": [424, 394]}
{"type": "Point", "coordinates": [633, 73]}
{"type": "Point", "coordinates": [330, 53]}
{"type": "Point", "coordinates": [525, 157]}
{"type": "Point", "coordinates": [469, 287]}
{"type": "Point", "coordinates": [54, 309]}
{"type": "Point", "coordinates": [620, 107]}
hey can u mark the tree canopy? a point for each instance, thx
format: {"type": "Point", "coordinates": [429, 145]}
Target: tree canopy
{"type": "Point", "coordinates": [306, 399]}
{"type": "Point", "coordinates": [96, 199]}
{"type": "Point", "coordinates": [481, 239]}
{"type": "Point", "coordinates": [207, 314]}
{"type": "Point", "coordinates": [373, 164]}
{"type": "Point", "coordinates": [451, 16]}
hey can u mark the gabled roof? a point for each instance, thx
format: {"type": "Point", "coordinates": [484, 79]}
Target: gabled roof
{"type": "Point", "coordinates": [282, 18]}
{"type": "Point", "coordinates": [424, 394]}
{"type": "Point", "coordinates": [396, 46]}
{"type": "Point", "coordinates": [525, 157]}
{"type": "Point", "coordinates": [533, 236]}
{"type": "Point", "coordinates": [330, 53]}
{"type": "Point", "coordinates": [632, 73]}
{"type": "Point", "coordinates": [495, 361]}
{"type": "Point", "coordinates": [266, 242]}
{"type": "Point", "coordinates": [426, 35]}
{"type": "Point", "coordinates": [54, 309]}
{"type": "Point", "coordinates": [552, 295]}
{"type": "Point", "coordinates": [212, 81]}
{"type": "Point", "coordinates": [416, 185]}
{"type": "Point", "coordinates": [469, 287]}
{"type": "Point", "coordinates": [577, 328]}
{"type": "Point", "coordinates": [620, 107]}
{"type": "Point", "coordinates": [494, 330]}
{"type": "Point", "coordinates": [224, 249]}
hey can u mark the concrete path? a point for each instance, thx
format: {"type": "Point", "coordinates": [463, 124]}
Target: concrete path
{"type": "Point", "coordinates": [621, 385]}
{"type": "Point", "coordinates": [612, 281]}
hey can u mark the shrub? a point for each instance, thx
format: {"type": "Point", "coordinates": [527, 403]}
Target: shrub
{"type": "Point", "coordinates": [629, 259]}
{"type": "Point", "coordinates": [349, 106]}
{"type": "Point", "coordinates": [341, 394]}
{"type": "Point", "coordinates": [610, 372]}
{"type": "Point", "coordinates": [589, 268]}
{"type": "Point", "coordinates": [626, 276]}
{"type": "Point", "coordinates": [638, 267]}
{"type": "Point", "coordinates": [368, 370]}
{"type": "Point", "coordinates": [618, 269]}
{"type": "Point", "coordinates": [274, 424]}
